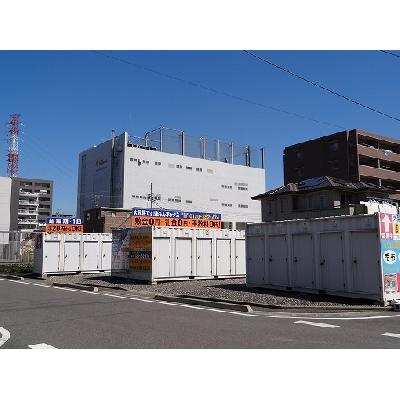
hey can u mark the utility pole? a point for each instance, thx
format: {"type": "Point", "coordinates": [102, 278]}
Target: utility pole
{"type": "Point", "coordinates": [151, 196]}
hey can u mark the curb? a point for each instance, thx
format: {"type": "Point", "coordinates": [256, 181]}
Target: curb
{"type": "Point", "coordinates": [19, 278]}
{"type": "Point", "coordinates": [76, 286]}
{"type": "Point", "coordinates": [208, 303]}
{"type": "Point", "coordinates": [288, 307]}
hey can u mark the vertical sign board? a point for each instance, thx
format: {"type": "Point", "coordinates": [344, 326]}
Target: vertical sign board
{"type": "Point", "coordinates": [389, 227]}
{"type": "Point", "coordinates": [120, 249]}
{"type": "Point", "coordinates": [140, 250]}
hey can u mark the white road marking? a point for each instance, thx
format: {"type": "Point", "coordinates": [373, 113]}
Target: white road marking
{"type": "Point", "coordinates": [65, 288]}
{"type": "Point", "coordinates": [41, 346]}
{"type": "Point", "coordinates": [189, 306]}
{"type": "Point", "coordinates": [215, 309]}
{"type": "Point", "coordinates": [1, 279]}
{"type": "Point", "coordinates": [243, 314]}
{"type": "Point", "coordinates": [4, 335]}
{"type": "Point", "coordinates": [319, 324]}
{"type": "Point", "coordinates": [396, 335]}
{"type": "Point", "coordinates": [88, 291]}
{"type": "Point", "coordinates": [40, 284]}
{"type": "Point", "coordinates": [145, 300]}
{"type": "Point", "coordinates": [330, 318]}
{"type": "Point", "coordinates": [167, 303]}
{"type": "Point", "coordinates": [24, 283]}
{"type": "Point", "coordinates": [114, 295]}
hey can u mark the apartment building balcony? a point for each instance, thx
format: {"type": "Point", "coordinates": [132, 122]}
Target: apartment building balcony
{"type": "Point", "coordinates": [382, 154]}
{"type": "Point", "coordinates": [27, 194]}
{"type": "Point", "coordinates": [26, 212]}
{"type": "Point", "coordinates": [28, 203]}
{"type": "Point", "coordinates": [27, 221]}
{"type": "Point", "coordinates": [380, 173]}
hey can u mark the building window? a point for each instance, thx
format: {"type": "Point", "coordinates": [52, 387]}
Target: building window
{"type": "Point", "coordinates": [210, 171]}
{"type": "Point", "coordinates": [187, 167]}
{"type": "Point", "coordinates": [333, 146]}
{"type": "Point", "coordinates": [199, 169]}
{"type": "Point", "coordinates": [242, 188]}
{"type": "Point", "coordinates": [179, 166]}
{"type": "Point", "coordinates": [157, 163]}
{"type": "Point", "coordinates": [226, 205]}
{"type": "Point", "coordinates": [131, 159]}
{"type": "Point", "coordinates": [189, 201]}
{"type": "Point", "coordinates": [243, 206]}
{"type": "Point", "coordinates": [241, 184]}
{"type": "Point", "coordinates": [213, 199]}
{"type": "Point", "coordinates": [171, 166]}
{"type": "Point", "coordinates": [226, 187]}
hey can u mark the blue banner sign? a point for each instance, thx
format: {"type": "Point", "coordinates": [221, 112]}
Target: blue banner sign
{"type": "Point", "coordinates": [64, 221]}
{"type": "Point", "coordinates": [149, 212]}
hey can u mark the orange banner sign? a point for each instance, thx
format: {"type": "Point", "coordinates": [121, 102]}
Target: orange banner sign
{"type": "Point", "coordinates": [176, 222]}
{"type": "Point", "coordinates": [63, 228]}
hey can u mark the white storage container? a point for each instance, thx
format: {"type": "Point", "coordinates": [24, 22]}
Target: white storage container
{"type": "Point", "coordinates": [57, 253]}
{"type": "Point", "coordinates": [161, 253]}
{"type": "Point", "coordinates": [352, 256]}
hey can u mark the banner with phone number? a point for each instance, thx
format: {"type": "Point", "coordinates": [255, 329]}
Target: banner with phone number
{"type": "Point", "coordinates": [176, 222]}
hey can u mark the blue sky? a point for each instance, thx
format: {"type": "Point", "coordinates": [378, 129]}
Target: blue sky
{"type": "Point", "coordinates": [72, 100]}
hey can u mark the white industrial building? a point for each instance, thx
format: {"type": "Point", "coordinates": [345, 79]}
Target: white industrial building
{"type": "Point", "coordinates": [24, 203]}
{"type": "Point", "coordinates": [171, 170]}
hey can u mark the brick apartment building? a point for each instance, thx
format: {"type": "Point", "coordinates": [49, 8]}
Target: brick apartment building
{"type": "Point", "coordinates": [103, 219]}
{"type": "Point", "coordinates": [355, 155]}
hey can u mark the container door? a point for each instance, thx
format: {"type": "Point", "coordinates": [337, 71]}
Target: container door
{"type": "Point", "coordinates": [366, 262]}
{"type": "Point", "coordinates": [332, 261]}
{"type": "Point", "coordinates": [106, 249]}
{"type": "Point", "coordinates": [183, 257]}
{"type": "Point", "coordinates": [278, 261]}
{"type": "Point", "coordinates": [161, 257]}
{"type": "Point", "coordinates": [71, 256]}
{"type": "Point", "coordinates": [303, 261]}
{"type": "Point", "coordinates": [240, 257]}
{"type": "Point", "coordinates": [90, 256]}
{"type": "Point", "coordinates": [255, 260]}
{"type": "Point", "coordinates": [223, 257]}
{"type": "Point", "coordinates": [204, 257]}
{"type": "Point", "coordinates": [51, 254]}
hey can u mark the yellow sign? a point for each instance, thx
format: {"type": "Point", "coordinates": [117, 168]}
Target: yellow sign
{"type": "Point", "coordinates": [176, 222]}
{"type": "Point", "coordinates": [63, 228]}
{"type": "Point", "coordinates": [140, 251]}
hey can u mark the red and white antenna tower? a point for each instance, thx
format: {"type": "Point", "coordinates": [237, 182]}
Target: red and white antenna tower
{"type": "Point", "coordinates": [13, 151]}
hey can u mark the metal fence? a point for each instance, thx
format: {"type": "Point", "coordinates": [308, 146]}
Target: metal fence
{"type": "Point", "coordinates": [174, 141]}
{"type": "Point", "coordinates": [17, 247]}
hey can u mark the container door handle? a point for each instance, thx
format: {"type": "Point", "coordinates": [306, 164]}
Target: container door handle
{"type": "Point", "coordinates": [295, 259]}
{"type": "Point", "coordinates": [322, 262]}
{"type": "Point", "coordinates": [355, 260]}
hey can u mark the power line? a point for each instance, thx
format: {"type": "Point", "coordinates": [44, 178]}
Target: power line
{"type": "Point", "coordinates": [390, 53]}
{"type": "Point", "coordinates": [318, 85]}
{"type": "Point", "coordinates": [215, 91]}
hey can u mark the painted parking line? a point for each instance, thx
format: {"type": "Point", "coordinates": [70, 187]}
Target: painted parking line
{"type": "Point", "coordinates": [189, 306]}
{"type": "Point", "coordinates": [41, 346]}
{"type": "Point", "coordinates": [167, 303]}
{"type": "Point", "coordinates": [215, 309]}
{"type": "Point", "coordinates": [329, 318]}
{"type": "Point", "coordinates": [4, 335]}
{"type": "Point", "coordinates": [24, 283]}
{"type": "Point", "coordinates": [113, 295]}
{"type": "Point", "coordinates": [1, 279]}
{"type": "Point", "coordinates": [145, 300]}
{"type": "Point", "coordinates": [88, 291]}
{"type": "Point", "coordinates": [319, 324]}
{"type": "Point", "coordinates": [40, 284]}
{"type": "Point", "coordinates": [64, 288]}
{"type": "Point", "coordinates": [243, 314]}
{"type": "Point", "coordinates": [395, 335]}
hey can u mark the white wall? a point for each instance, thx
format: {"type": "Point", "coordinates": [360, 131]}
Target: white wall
{"type": "Point", "coordinates": [5, 196]}
{"type": "Point", "coordinates": [199, 187]}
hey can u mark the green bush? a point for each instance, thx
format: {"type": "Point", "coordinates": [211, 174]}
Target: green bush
{"type": "Point", "coordinates": [16, 268]}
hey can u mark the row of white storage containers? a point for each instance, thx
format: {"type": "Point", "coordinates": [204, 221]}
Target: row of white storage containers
{"type": "Point", "coordinates": [72, 252]}
{"type": "Point", "coordinates": [338, 255]}
{"type": "Point", "coordinates": [174, 253]}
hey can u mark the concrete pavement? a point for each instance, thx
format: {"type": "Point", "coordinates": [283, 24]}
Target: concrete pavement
{"type": "Point", "coordinates": [37, 315]}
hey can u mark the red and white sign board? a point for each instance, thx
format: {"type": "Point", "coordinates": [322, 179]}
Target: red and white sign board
{"type": "Point", "coordinates": [386, 225]}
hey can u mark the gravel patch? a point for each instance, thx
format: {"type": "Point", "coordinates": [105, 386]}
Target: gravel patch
{"type": "Point", "coordinates": [227, 289]}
